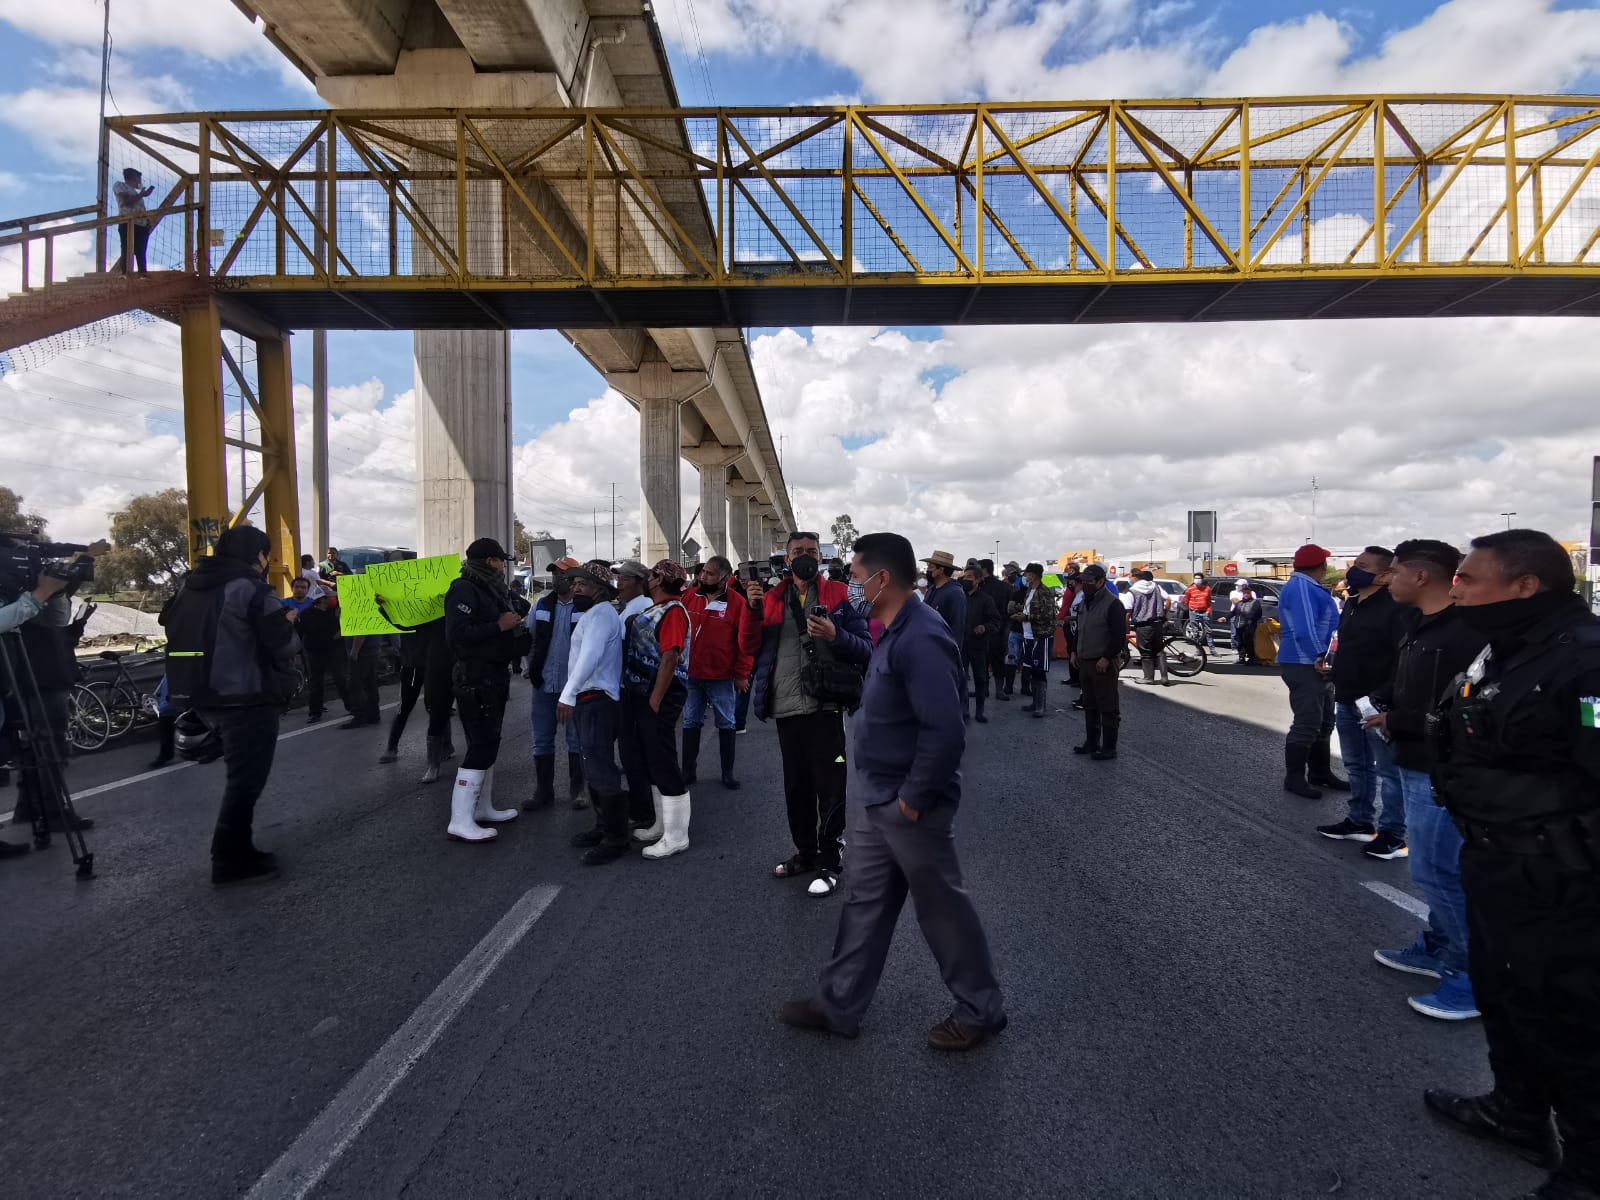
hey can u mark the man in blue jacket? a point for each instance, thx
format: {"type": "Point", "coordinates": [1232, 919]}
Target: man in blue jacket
{"type": "Point", "coordinates": [1308, 616]}
{"type": "Point", "coordinates": [909, 738]}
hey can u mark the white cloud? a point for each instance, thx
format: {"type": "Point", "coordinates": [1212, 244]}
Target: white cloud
{"type": "Point", "coordinates": [214, 30]}
{"type": "Point", "coordinates": [64, 122]}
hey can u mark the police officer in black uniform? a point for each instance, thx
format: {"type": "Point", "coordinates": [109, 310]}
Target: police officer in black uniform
{"type": "Point", "coordinates": [1518, 768]}
{"type": "Point", "coordinates": [483, 628]}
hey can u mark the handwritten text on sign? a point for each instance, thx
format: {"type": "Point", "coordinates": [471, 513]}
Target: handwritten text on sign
{"type": "Point", "coordinates": [412, 592]}
{"type": "Point", "coordinates": [358, 608]}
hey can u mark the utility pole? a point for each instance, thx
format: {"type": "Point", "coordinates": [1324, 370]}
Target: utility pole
{"type": "Point", "coordinates": [1313, 508]}
{"type": "Point", "coordinates": [613, 522]}
{"type": "Point", "coordinates": [1508, 516]}
{"type": "Point", "coordinates": [596, 514]}
{"type": "Point", "coordinates": [103, 186]}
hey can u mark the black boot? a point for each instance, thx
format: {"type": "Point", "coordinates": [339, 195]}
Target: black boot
{"type": "Point", "coordinates": [1319, 768]}
{"type": "Point", "coordinates": [1027, 682]}
{"type": "Point", "coordinates": [691, 753]}
{"type": "Point", "coordinates": [1091, 733]}
{"type": "Point", "coordinates": [435, 759]}
{"type": "Point", "coordinates": [612, 812]}
{"type": "Point", "coordinates": [1495, 1117]}
{"type": "Point", "coordinates": [979, 715]}
{"type": "Point", "coordinates": [1041, 693]}
{"type": "Point", "coordinates": [166, 731]}
{"type": "Point", "coordinates": [1002, 684]}
{"type": "Point", "coordinates": [1294, 772]}
{"type": "Point", "coordinates": [544, 783]}
{"type": "Point", "coordinates": [1108, 738]}
{"type": "Point", "coordinates": [727, 740]}
{"type": "Point", "coordinates": [580, 800]}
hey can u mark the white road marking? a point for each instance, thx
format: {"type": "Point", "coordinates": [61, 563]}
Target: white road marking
{"type": "Point", "coordinates": [158, 773]}
{"type": "Point", "coordinates": [1398, 898]}
{"type": "Point", "coordinates": [302, 1166]}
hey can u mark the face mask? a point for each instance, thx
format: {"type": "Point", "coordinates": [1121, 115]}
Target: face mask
{"type": "Point", "coordinates": [1358, 579]}
{"type": "Point", "coordinates": [804, 568]}
{"type": "Point", "coordinates": [968, 586]}
{"type": "Point", "coordinates": [921, 582]}
{"type": "Point", "coordinates": [856, 596]}
{"type": "Point", "coordinates": [582, 603]}
{"type": "Point", "coordinates": [1505, 619]}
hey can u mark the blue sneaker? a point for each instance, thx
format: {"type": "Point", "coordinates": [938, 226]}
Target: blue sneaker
{"type": "Point", "coordinates": [1450, 1001]}
{"type": "Point", "coordinates": [1410, 960]}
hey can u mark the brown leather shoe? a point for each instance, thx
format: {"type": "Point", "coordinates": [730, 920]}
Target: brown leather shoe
{"type": "Point", "coordinates": [804, 1014]}
{"type": "Point", "coordinates": [950, 1034]}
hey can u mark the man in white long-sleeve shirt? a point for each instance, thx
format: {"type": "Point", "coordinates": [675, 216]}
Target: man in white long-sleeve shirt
{"type": "Point", "coordinates": [591, 699]}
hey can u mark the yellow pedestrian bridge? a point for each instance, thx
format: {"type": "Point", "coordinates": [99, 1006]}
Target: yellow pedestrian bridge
{"type": "Point", "coordinates": [1137, 210]}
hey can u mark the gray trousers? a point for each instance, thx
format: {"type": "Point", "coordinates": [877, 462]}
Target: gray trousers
{"type": "Point", "coordinates": [886, 857]}
{"type": "Point", "coordinates": [1310, 704]}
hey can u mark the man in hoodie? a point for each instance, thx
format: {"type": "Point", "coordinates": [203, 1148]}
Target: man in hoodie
{"type": "Point", "coordinates": [484, 632]}
{"type": "Point", "coordinates": [551, 621]}
{"type": "Point", "coordinates": [1438, 645]}
{"type": "Point", "coordinates": [1148, 615]}
{"type": "Point", "coordinates": [1307, 616]}
{"type": "Point", "coordinates": [1102, 634]}
{"type": "Point", "coordinates": [230, 648]}
{"type": "Point", "coordinates": [1518, 738]}
{"type": "Point", "coordinates": [719, 671]}
{"type": "Point", "coordinates": [804, 620]}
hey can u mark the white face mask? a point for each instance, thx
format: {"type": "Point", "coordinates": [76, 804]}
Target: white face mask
{"type": "Point", "coordinates": [921, 582]}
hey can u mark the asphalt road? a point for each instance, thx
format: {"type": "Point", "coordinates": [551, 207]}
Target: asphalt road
{"type": "Point", "coordinates": [1194, 1006]}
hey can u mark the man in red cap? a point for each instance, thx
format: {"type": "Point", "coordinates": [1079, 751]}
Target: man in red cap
{"type": "Point", "coordinates": [1308, 615]}
{"type": "Point", "coordinates": [655, 684]}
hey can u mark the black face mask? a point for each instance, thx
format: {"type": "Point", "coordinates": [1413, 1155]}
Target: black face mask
{"type": "Point", "coordinates": [713, 589]}
{"type": "Point", "coordinates": [968, 586]}
{"type": "Point", "coordinates": [804, 568]}
{"type": "Point", "coordinates": [582, 603]}
{"type": "Point", "coordinates": [1359, 580]}
{"type": "Point", "coordinates": [1509, 619]}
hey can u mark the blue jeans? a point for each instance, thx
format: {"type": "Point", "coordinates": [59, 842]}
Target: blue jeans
{"type": "Point", "coordinates": [718, 694]}
{"type": "Point", "coordinates": [1013, 649]}
{"type": "Point", "coordinates": [1435, 861]}
{"type": "Point", "coordinates": [1369, 762]}
{"type": "Point", "coordinates": [544, 725]}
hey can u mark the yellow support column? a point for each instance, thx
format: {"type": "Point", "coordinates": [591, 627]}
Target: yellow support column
{"type": "Point", "coordinates": [275, 394]}
{"type": "Point", "coordinates": [200, 334]}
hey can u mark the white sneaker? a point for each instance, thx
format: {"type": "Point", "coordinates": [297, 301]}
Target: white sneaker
{"type": "Point", "coordinates": [463, 802]}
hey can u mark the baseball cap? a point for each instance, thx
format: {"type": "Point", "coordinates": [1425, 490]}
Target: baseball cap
{"type": "Point", "coordinates": [633, 569]}
{"type": "Point", "coordinates": [1310, 555]}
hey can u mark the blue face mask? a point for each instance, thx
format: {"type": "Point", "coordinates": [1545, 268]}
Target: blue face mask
{"type": "Point", "coordinates": [856, 597]}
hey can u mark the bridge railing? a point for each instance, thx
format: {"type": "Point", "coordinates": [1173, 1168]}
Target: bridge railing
{"type": "Point", "coordinates": [43, 251]}
{"type": "Point", "coordinates": [1363, 186]}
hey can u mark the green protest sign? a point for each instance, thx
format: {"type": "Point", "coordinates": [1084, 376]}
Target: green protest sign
{"type": "Point", "coordinates": [411, 592]}
{"type": "Point", "coordinates": [359, 615]}
{"type": "Point", "coordinates": [1052, 581]}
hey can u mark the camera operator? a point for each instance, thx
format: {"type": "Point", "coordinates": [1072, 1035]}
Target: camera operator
{"type": "Point", "coordinates": [230, 648]}
{"type": "Point", "coordinates": [17, 615]}
{"type": "Point", "coordinates": [47, 635]}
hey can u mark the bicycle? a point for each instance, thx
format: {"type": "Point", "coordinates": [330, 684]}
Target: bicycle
{"type": "Point", "coordinates": [88, 723]}
{"type": "Point", "coordinates": [126, 706]}
{"type": "Point", "coordinates": [1185, 658]}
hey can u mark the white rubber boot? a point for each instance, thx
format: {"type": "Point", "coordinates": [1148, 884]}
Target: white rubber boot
{"type": "Point", "coordinates": [652, 834]}
{"type": "Point", "coordinates": [463, 800]}
{"type": "Point", "coordinates": [676, 821]}
{"type": "Point", "coordinates": [484, 810]}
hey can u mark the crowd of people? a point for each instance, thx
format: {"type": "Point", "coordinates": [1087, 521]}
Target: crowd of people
{"type": "Point", "coordinates": [1465, 691]}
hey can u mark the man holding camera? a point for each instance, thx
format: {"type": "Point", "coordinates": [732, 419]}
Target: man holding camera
{"type": "Point", "coordinates": [20, 614]}
{"type": "Point", "coordinates": [805, 630]}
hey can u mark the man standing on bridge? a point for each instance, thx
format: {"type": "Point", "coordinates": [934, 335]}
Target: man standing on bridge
{"type": "Point", "coordinates": [909, 739]}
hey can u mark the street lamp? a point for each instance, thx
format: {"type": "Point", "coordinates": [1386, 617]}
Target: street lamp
{"type": "Point", "coordinates": [1508, 517]}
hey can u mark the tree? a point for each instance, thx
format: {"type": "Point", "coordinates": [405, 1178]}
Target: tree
{"type": "Point", "coordinates": [149, 542]}
{"type": "Point", "coordinates": [844, 533]}
{"type": "Point", "coordinates": [635, 552]}
{"type": "Point", "coordinates": [12, 517]}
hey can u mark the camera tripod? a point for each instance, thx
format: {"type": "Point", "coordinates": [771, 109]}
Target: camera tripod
{"type": "Point", "coordinates": [39, 760]}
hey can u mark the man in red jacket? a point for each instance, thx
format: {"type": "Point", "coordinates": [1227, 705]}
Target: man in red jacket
{"type": "Point", "coordinates": [1197, 599]}
{"type": "Point", "coordinates": [718, 668]}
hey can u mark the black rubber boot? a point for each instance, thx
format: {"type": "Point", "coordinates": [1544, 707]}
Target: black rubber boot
{"type": "Point", "coordinates": [435, 759]}
{"type": "Point", "coordinates": [580, 799]}
{"type": "Point", "coordinates": [1041, 695]}
{"type": "Point", "coordinates": [1294, 772]}
{"type": "Point", "coordinates": [1091, 736]}
{"type": "Point", "coordinates": [1108, 738]}
{"type": "Point", "coordinates": [1319, 768]}
{"type": "Point", "coordinates": [544, 783]}
{"type": "Point", "coordinates": [167, 732]}
{"type": "Point", "coordinates": [611, 816]}
{"type": "Point", "coordinates": [691, 753]}
{"type": "Point", "coordinates": [1497, 1118]}
{"type": "Point", "coordinates": [727, 740]}
{"type": "Point", "coordinates": [1027, 681]}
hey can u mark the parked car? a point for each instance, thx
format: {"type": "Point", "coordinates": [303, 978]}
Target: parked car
{"type": "Point", "coordinates": [360, 558]}
{"type": "Point", "coordinates": [1222, 607]}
